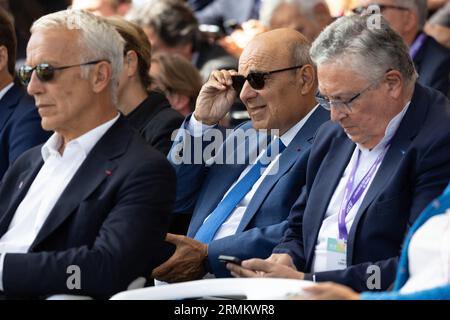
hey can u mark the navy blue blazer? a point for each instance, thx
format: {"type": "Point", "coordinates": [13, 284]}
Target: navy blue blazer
{"type": "Point", "coordinates": [111, 220]}
{"type": "Point", "coordinates": [20, 126]}
{"type": "Point", "coordinates": [200, 188]}
{"type": "Point", "coordinates": [414, 171]}
{"type": "Point", "coordinates": [433, 65]}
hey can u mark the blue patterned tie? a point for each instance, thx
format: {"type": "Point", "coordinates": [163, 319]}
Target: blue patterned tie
{"type": "Point", "coordinates": [223, 210]}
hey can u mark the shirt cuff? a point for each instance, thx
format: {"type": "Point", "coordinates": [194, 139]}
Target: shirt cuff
{"type": "Point", "coordinates": [2, 260]}
{"type": "Point", "coordinates": [197, 128]}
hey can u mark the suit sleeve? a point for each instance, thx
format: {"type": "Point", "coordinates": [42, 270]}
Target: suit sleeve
{"type": "Point", "coordinates": [128, 245]}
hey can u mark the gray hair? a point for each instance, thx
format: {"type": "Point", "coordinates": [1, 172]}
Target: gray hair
{"type": "Point", "coordinates": [268, 7]}
{"type": "Point", "coordinates": [420, 6]}
{"type": "Point", "coordinates": [369, 51]}
{"type": "Point", "coordinates": [98, 39]}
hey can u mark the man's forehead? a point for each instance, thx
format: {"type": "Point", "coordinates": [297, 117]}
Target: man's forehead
{"type": "Point", "coordinates": [260, 58]}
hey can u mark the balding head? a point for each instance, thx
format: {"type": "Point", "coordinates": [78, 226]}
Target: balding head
{"type": "Point", "coordinates": [286, 96]}
{"type": "Point", "coordinates": [286, 44]}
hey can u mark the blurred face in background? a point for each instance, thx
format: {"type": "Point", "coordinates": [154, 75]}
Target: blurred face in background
{"type": "Point", "coordinates": [290, 16]}
{"type": "Point", "coordinates": [104, 8]}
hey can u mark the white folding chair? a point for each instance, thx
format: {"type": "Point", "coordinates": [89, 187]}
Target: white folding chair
{"type": "Point", "coordinates": [251, 288]}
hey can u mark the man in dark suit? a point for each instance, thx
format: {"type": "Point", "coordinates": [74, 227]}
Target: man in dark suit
{"type": "Point", "coordinates": [372, 172]}
{"type": "Point", "coordinates": [81, 214]}
{"type": "Point", "coordinates": [240, 206]}
{"type": "Point", "coordinates": [20, 124]}
{"type": "Point", "coordinates": [432, 60]}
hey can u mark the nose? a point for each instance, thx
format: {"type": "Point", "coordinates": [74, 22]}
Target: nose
{"type": "Point", "coordinates": [247, 92]}
{"type": "Point", "coordinates": [35, 86]}
{"type": "Point", "coordinates": [336, 114]}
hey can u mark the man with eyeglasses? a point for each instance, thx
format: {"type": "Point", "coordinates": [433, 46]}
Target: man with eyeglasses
{"type": "Point", "coordinates": [20, 124]}
{"type": "Point", "coordinates": [240, 208]}
{"type": "Point", "coordinates": [79, 214]}
{"type": "Point", "coordinates": [371, 171]}
{"type": "Point", "coordinates": [408, 17]}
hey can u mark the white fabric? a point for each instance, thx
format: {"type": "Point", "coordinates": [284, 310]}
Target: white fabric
{"type": "Point", "coordinates": [329, 228]}
{"type": "Point", "coordinates": [5, 90]}
{"type": "Point", "coordinates": [54, 176]}
{"type": "Point", "coordinates": [230, 225]}
{"type": "Point", "coordinates": [429, 255]}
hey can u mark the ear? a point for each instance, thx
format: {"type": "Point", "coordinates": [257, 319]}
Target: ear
{"type": "Point", "coordinates": [307, 79]}
{"type": "Point", "coordinates": [3, 58]}
{"type": "Point", "coordinates": [101, 78]}
{"type": "Point", "coordinates": [394, 81]}
{"type": "Point", "coordinates": [131, 63]}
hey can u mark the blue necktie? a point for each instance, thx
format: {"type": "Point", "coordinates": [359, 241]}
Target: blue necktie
{"type": "Point", "coordinates": [223, 210]}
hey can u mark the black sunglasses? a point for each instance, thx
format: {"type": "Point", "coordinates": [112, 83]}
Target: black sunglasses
{"type": "Point", "coordinates": [44, 71]}
{"type": "Point", "coordinates": [257, 80]}
{"type": "Point", "coordinates": [362, 9]}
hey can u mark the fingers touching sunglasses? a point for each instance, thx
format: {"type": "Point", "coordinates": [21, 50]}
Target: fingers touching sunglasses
{"type": "Point", "coordinates": [257, 80]}
{"type": "Point", "coordinates": [44, 71]}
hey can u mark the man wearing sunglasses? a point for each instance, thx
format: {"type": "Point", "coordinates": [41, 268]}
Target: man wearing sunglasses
{"type": "Point", "coordinates": [80, 214]}
{"type": "Point", "coordinates": [408, 17]}
{"type": "Point", "coordinates": [372, 171]}
{"type": "Point", "coordinates": [20, 124]}
{"type": "Point", "coordinates": [236, 210]}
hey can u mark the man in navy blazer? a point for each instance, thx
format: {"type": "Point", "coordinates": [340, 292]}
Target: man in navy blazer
{"type": "Point", "coordinates": [372, 172]}
{"type": "Point", "coordinates": [281, 100]}
{"type": "Point", "coordinates": [20, 124]}
{"type": "Point", "coordinates": [80, 214]}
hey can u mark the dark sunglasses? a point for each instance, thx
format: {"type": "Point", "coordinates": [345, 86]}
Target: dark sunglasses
{"type": "Point", "coordinates": [257, 80]}
{"type": "Point", "coordinates": [44, 71]}
{"type": "Point", "coordinates": [362, 9]}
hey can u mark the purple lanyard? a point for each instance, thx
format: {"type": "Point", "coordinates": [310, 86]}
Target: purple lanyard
{"type": "Point", "coordinates": [417, 44]}
{"type": "Point", "coordinates": [349, 200]}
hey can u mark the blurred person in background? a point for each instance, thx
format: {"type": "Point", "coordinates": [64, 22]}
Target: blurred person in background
{"type": "Point", "coordinates": [172, 27]}
{"type": "Point", "coordinates": [178, 79]}
{"type": "Point", "coordinates": [309, 17]}
{"type": "Point", "coordinates": [439, 26]}
{"type": "Point", "coordinates": [149, 112]}
{"type": "Point", "coordinates": [104, 8]}
{"type": "Point", "coordinates": [408, 18]}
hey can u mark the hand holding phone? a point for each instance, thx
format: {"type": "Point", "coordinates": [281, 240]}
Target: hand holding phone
{"type": "Point", "coordinates": [230, 259]}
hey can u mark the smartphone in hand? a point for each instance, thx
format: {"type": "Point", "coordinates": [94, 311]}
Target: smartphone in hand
{"type": "Point", "coordinates": [231, 259]}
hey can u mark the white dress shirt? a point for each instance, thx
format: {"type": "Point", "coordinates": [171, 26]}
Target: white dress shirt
{"type": "Point", "coordinates": [329, 228]}
{"type": "Point", "coordinates": [54, 176]}
{"type": "Point", "coordinates": [5, 90]}
{"type": "Point", "coordinates": [230, 225]}
{"type": "Point", "coordinates": [429, 255]}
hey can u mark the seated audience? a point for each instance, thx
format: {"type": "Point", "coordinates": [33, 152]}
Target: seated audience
{"type": "Point", "coordinates": [178, 78]}
{"type": "Point", "coordinates": [81, 214]}
{"type": "Point", "coordinates": [20, 123]}
{"type": "Point", "coordinates": [424, 267]}
{"type": "Point", "coordinates": [148, 112]}
{"type": "Point", "coordinates": [372, 170]}
{"type": "Point", "coordinates": [439, 26]}
{"type": "Point", "coordinates": [431, 59]}
{"type": "Point", "coordinates": [172, 27]}
{"type": "Point", "coordinates": [240, 198]}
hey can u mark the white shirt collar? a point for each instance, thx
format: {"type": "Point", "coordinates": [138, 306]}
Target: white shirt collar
{"type": "Point", "coordinates": [391, 129]}
{"type": "Point", "coordinates": [85, 142]}
{"type": "Point", "coordinates": [289, 135]}
{"type": "Point", "coordinates": [5, 90]}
